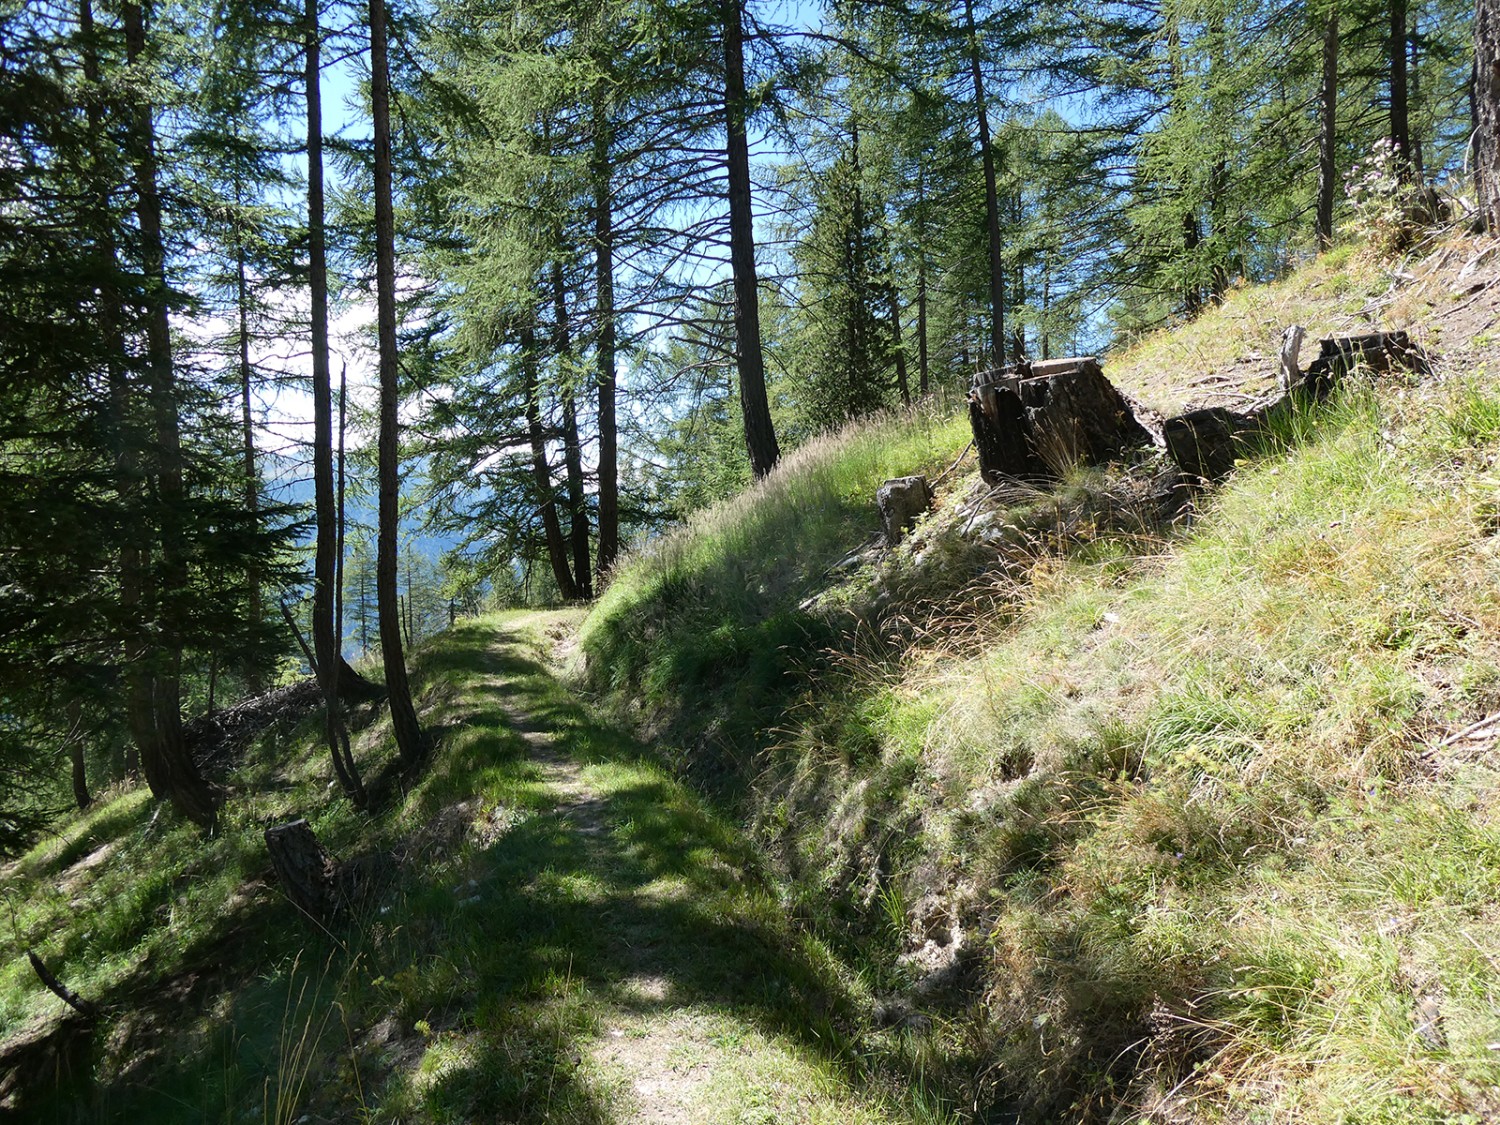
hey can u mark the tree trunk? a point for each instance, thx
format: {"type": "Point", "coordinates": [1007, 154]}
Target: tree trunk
{"type": "Point", "coordinates": [557, 548]}
{"type": "Point", "coordinates": [991, 195]}
{"type": "Point", "coordinates": [325, 557]}
{"type": "Point", "coordinates": [1487, 111]}
{"type": "Point", "coordinates": [760, 433]}
{"type": "Point", "coordinates": [157, 711]}
{"type": "Point", "coordinates": [253, 678]}
{"type": "Point", "coordinates": [1400, 125]}
{"type": "Point", "coordinates": [81, 796]}
{"type": "Point", "coordinates": [898, 349]}
{"type": "Point", "coordinates": [923, 385]}
{"type": "Point", "coordinates": [409, 740]}
{"type": "Point", "coordinates": [1036, 420]}
{"type": "Point", "coordinates": [121, 437]}
{"type": "Point", "coordinates": [1192, 296]}
{"type": "Point", "coordinates": [604, 296]}
{"type": "Point", "coordinates": [1327, 129]}
{"type": "Point", "coordinates": [338, 578]}
{"type": "Point", "coordinates": [578, 510]}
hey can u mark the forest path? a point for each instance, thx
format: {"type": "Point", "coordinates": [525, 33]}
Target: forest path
{"type": "Point", "coordinates": [662, 980]}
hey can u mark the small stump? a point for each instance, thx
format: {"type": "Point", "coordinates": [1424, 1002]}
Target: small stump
{"type": "Point", "coordinates": [1206, 443]}
{"type": "Point", "coordinates": [901, 501]}
{"type": "Point", "coordinates": [304, 869]}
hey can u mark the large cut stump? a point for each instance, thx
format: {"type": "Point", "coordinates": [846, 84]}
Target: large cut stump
{"type": "Point", "coordinates": [1034, 420]}
{"type": "Point", "coordinates": [306, 873]}
{"type": "Point", "coordinates": [901, 501]}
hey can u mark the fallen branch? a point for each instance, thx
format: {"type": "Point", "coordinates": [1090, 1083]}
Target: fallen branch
{"type": "Point", "coordinates": [1472, 728]}
{"type": "Point", "coordinates": [60, 990]}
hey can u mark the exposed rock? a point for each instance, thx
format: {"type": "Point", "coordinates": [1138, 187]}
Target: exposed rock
{"type": "Point", "coordinates": [901, 501]}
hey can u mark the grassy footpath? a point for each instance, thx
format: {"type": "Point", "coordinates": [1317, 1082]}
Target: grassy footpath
{"type": "Point", "coordinates": [569, 935]}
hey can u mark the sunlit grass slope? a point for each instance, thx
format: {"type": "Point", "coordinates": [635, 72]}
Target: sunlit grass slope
{"type": "Point", "coordinates": [709, 611]}
{"type": "Point", "coordinates": [1187, 828]}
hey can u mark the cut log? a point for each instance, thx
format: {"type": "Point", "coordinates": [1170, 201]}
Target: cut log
{"type": "Point", "coordinates": [1206, 443]}
{"type": "Point", "coordinates": [1037, 420]}
{"type": "Point", "coordinates": [901, 501]}
{"type": "Point", "coordinates": [306, 873]}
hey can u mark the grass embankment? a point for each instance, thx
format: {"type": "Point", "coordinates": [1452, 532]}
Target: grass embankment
{"type": "Point", "coordinates": [722, 592]}
{"type": "Point", "coordinates": [1182, 833]}
{"type": "Point", "coordinates": [564, 933]}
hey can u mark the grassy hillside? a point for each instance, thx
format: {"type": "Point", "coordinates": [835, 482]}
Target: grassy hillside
{"type": "Point", "coordinates": [1191, 825]}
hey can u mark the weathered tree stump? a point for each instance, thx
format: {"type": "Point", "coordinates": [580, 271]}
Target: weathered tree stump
{"type": "Point", "coordinates": [1036, 420]}
{"type": "Point", "coordinates": [306, 873]}
{"type": "Point", "coordinates": [1206, 443]}
{"type": "Point", "coordinates": [1001, 436]}
{"type": "Point", "coordinates": [1339, 356]}
{"type": "Point", "coordinates": [901, 501]}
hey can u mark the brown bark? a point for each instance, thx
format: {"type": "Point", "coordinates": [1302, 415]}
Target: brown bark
{"type": "Point", "coordinates": [253, 678]}
{"type": "Point", "coordinates": [155, 711]}
{"type": "Point", "coordinates": [1487, 111]}
{"type": "Point", "coordinates": [922, 367]}
{"type": "Point", "coordinates": [409, 739]}
{"type": "Point", "coordinates": [1400, 123]}
{"type": "Point", "coordinates": [306, 874]}
{"type": "Point", "coordinates": [77, 767]}
{"type": "Point", "coordinates": [1327, 129]}
{"type": "Point", "coordinates": [578, 511]}
{"type": "Point", "coordinates": [755, 406]}
{"type": "Point", "coordinates": [604, 296]}
{"type": "Point", "coordinates": [541, 473]}
{"type": "Point", "coordinates": [325, 556]}
{"type": "Point", "coordinates": [991, 194]}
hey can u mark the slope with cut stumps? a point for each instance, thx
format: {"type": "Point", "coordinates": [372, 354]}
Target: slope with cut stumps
{"type": "Point", "coordinates": [1131, 817]}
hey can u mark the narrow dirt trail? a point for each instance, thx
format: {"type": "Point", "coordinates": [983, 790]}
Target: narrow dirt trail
{"type": "Point", "coordinates": [696, 1001]}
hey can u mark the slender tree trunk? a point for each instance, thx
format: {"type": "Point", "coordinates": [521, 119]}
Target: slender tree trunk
{"type": "Point", "coordinates": [991, 194]}
{"type": "Point", "coordinates": [256, 607]}
{"type": "Point", "coordinates": [604, 295]}
{"type": "Point", "coordinates": [122, 438]}
{"type": "Point", "coordinates": [1219, 273]}
{"type": "Point", "coordinates": [338, 581]}
{"type": "Point", "coordinates": [1328, 129]}
{"type": "Point", "coordinates": [1415, 72]}
{"type": "Point", "coordinates": [1046, 336]}
{"type": "Point", "coordinates": [1400, 125]}
{"type": "Point", "coordinates": [1192, 298]}
{"type": "Point", "coordinates": [903, 382]}
{"type": "Point", "coordinates": [157, 709]}
{"type": "Point", "coordinates": [1487, 111]}
{"type": "Point", "coordinates": [78, 768]}
{"type": "Point", "coordinates": [325, 556]}
{"type": "Point", "coordinates": [923, 384]}
{"type": "Point", "coordinates": [578, 511]}
{"type": "Point", "coordinates": [409, 739]}
{"type": "Point", "coordinates": [557, 548]}
{"type": "Point", "coordinates": [1018, 330]}
{"type": "Point", "coordinates": [755, 405]}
